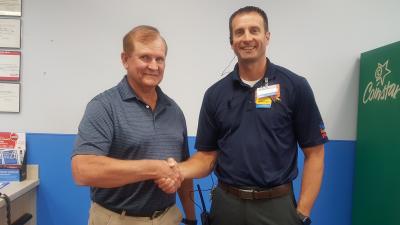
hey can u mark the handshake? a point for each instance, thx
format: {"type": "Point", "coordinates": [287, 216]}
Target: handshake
{"type": "Point", "coordinates": [170, 177]}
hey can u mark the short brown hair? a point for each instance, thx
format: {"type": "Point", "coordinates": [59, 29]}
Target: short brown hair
{"type": "Point", "coordinates": [143, 34]}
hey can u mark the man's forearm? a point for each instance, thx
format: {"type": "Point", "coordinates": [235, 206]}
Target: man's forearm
{"type": "Point", "coordinates": [186, 196]}
{"type": "Point", "coordinates": [199, 165]}
{"type": "Point", "coordinates": [106, 172]}
{"type": "Point", "coordinates": [312, 178]}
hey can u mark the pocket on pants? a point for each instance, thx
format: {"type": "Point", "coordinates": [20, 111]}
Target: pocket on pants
{"type": "Point", "coordinates": [294, 210]}
{"type": "Point", "coordinates": [173, 216]}
{"type": "Point", "coordinates": [96, 217]}
{"type": "Point", "coordinates": [177, 213]}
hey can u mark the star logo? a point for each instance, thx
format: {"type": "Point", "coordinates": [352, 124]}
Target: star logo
{"type": "Point", "coordinates": [381, 72]}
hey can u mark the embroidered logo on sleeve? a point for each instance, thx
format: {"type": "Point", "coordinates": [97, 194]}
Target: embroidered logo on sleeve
{"type": "Point", "coordinates": [322, 130]}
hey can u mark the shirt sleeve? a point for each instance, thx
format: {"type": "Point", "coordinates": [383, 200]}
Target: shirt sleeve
{"type": "Point", "coordinates": [207, 131]}
{"type": "Point", "coordinates": [308, 123]}
{"type": "Point", "coordinates": [185, 145]}
{"type": "Point", "coordinates": [95, 131]}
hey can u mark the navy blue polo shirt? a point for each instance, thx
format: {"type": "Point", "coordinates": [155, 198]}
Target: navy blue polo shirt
{"type": "Point", "coordinates": [119, 125]}
{"type": "Point", "coordinates": [258, 146]}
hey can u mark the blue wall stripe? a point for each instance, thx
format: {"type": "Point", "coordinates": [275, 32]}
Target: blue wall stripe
{"type": "Point", "coordinates": [61, 202]}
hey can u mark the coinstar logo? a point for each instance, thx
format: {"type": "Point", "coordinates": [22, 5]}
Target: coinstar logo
{"type": "Point", "coordinates": [382, 89]}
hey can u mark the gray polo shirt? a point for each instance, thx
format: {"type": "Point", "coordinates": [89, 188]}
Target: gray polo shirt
{"type": "Point", "coordinates": [118, 124]}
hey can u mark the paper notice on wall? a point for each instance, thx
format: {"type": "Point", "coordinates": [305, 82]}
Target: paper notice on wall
{"type": "Point", "coordinates": [9, 97]}
{"type": "Point", "coordinates": [10, 65]}
{"type": "Point", "coordinates": [10, 7]}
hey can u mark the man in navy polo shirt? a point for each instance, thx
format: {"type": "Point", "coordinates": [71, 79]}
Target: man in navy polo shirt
{"type": "Point", "coordinates": [125, 136]}
{"type": "Point", "coordinates": [251, 123]}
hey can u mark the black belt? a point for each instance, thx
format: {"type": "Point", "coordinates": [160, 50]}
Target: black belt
{"type": "Point", "coordinates": [257, 193]}
{"type": "Point", "coordinates": [152, 215]}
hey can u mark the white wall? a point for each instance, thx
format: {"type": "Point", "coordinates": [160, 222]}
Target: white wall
{"type": "Point", "coordinates": [71, 50]}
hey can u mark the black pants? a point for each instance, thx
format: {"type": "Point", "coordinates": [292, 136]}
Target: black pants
{"type": "Point", "coordinates": [227, 209]}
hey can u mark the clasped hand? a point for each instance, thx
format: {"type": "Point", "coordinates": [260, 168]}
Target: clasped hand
{"type": "Point", "coordinates": [171, 177]}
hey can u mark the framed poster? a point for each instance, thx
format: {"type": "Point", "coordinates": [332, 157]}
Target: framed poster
{"type": "Point", "coordinates": [10, 8]}
{"type": "Point", "coordinates": [10, 65]}
{"type": "Point", "coordinates": [10, 33]}
{"type": "Point", "coordinates": [9, 97]}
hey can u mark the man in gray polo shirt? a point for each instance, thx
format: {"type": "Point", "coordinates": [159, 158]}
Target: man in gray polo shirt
{"type": "Point", "coordinates": [125, 137]}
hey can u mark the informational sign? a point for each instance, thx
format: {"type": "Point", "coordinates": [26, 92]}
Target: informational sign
{"type": "Point", "coordinates": [12, 156]}
{"type": "Point", "coordinates": [10, 62]}
{"type": "Point", "coordinates": [12, 149]}
{"type": "Point", "coordinates": [10, 33]}
{"type": "Point", "coordinates": [10, 7]}
{"type": "Point", "coordinates": [9, 97]}
{"type": "Point", "coordinates": [377, 171]}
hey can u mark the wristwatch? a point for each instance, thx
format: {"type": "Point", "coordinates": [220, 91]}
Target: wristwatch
{"type": "Point", "coordinates": [304, 219]}
{"type": "Point", "coordinates": [189, 222]}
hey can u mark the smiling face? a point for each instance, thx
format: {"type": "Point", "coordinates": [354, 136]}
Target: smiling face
{"type": "Point", "coordinates": [145, 65]}
{"type": "Point", "coordinates": [249, 37]}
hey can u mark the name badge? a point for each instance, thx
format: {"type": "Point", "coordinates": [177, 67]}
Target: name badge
{"type": "Point", "coordinates": [263, 102]}
{"type": "Point", "coordinates": [266, 95]}
{"type": "Point", "coordinates": [266, 91]}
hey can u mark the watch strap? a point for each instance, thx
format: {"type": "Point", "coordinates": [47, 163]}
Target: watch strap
{"type": "Point", "coordinates": [189, 222]}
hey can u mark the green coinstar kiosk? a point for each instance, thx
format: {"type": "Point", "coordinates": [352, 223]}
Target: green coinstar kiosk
{"type": "Point", "coordinates": [376, 193]}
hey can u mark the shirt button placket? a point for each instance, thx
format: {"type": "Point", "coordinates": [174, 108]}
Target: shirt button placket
{"type": "Point", "coordinates": [153, 116]}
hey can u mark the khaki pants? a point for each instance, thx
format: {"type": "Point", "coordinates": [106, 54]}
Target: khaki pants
{"type": "Point", "coordinates": [101, 216]}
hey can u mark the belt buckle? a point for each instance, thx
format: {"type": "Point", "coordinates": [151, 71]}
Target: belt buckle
{"type": "Point", "coordinates": [246, 194]}
{"type": "Point", "coordinates": [156, 214]}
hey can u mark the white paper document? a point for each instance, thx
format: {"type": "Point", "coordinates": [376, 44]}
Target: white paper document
{"type": "Point", "coordinates": [9, 97]}
{"type": "Point", "coordinates": [10, 7]}
{"type": "Point", "coordinates": [10, 33]}
{"type": "Point", "coordinates": [9, 65]}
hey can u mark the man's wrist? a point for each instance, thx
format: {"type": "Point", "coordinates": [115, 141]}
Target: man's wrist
{"type": "Point", "coordinates": [189, 221]}
{"type": "Point", "coordinates": [306, 220]}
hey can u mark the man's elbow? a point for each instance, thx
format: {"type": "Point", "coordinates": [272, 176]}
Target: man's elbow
{"type": "Point", "coordinates": [315, 152]}
{"type": "Point", "coordinates": [81, 178]}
